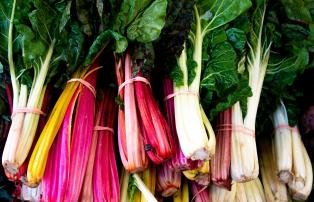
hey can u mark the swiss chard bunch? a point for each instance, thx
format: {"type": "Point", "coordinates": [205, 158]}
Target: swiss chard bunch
{"type": "Point", "coordinates": [40, 40]}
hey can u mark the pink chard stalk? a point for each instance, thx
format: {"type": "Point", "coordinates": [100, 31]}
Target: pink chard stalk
{"type": "Point", "coordinates": [105, 175]}
{"type": "Point", "coordinates": [220, 163]}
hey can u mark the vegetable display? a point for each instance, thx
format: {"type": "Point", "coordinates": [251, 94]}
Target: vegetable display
{"type": "Point", "coordinates": [156, 100]}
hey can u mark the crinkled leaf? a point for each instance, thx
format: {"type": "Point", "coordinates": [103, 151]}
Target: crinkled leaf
{"type": "Point", "coordinates": [175, 32]}
{"type": "Point", "coordinates": [44, 20]}
{"type": "Point", "coordinates": [129, 11]}
{"type": "Point", "coordinates": [84, 13]}
{"type": "Point", "coordinates": [220, 73]}
{"type": "Point", "coordinates": [237, 38]}
{"type": "Point", "coordinates": [65, 8]}
{"type": "Point", "coordinates": [221, 84]}
{"type": "Point", "coordinates": [147, 27]}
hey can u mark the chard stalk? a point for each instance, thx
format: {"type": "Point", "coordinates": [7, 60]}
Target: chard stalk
{"type": "Point", "coordinates": [220, 164]}
{"type": "Point", "coordinates": [143, 188]}
{"type": "Point", "coordinates": [199, 193]}
{"type": "Point", "coordinates": [219, 194]}
{"type": "Point", "coordinates": [303, 194]}
{"type": "Point", "coordinates": [182, 195]}
{"type": "Point", "coordinates": [283, 144]}
{"type": "Point", "coordinates": [275, 190]}
{"type": "Point", "coordinates": [14, 81]}
{"type": "Point", "coordinates": [11, 145]}
{"type": "Point", "coordinates": [299, 170]}
{"type": "Point", "coordinates": [168, 180]}
{"type": "Point", "coordinates": [200, 175]}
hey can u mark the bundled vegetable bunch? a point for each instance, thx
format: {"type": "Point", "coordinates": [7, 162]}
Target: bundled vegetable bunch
{"type": "Point", "coordinates": [189, 100]}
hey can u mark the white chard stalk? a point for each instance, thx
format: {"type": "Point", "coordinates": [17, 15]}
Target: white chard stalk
{"type": "Point", "coordinates": [283, 144]}
{"type": "Point", "coordinates": [220, 194]}
{"type": "Point", "coordinates": [303, 193]}
{"type": "Point", "coordinates": [244, 159]}
{"type": "Point", "coordinates": [189, 123]}
{"type": "Point", "coordinates": [254, 191]}
{"type": "Point", "coordinates": [298, 168]}
{"type": "Point", "coordinates": [275, 190]}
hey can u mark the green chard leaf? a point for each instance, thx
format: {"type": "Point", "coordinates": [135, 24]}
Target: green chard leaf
{"type": "Point", "coordinates": [141, 20]}
{"type": "Point", "coordinates": [221, 84]}
{"type": "Point", "coordinates": [216, 13]}
{"type": "Point", "coordinates": [297, 10]}
{"type": "Point", "coordinates": [147, 27]}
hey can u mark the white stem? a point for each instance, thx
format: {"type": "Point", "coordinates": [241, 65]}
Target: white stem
{"type": "Point", "coordinates": [10, 148]}
{"type": "Point", "coordinates": [197, 54]}
{"type": "Point", "coordinates": [145, 191]}
{"type": "Point", "coordinates": [283, 144]}
{"type": "Point", "coordinates": [14, 81]}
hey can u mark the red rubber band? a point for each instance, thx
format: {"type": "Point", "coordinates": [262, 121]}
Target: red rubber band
{"type": "Point", "coordinates": [85, 83]}
{"type": "Point", "coordinates": [132, 80]}
{"type": "Point", "coordinates": [103, 128]}
{"type": "Point", "coordinates": [285, 126]}
{"type": "Point", "coordinates": [27, 110]}
{"type": "Point", "coordinates": [179, 93]}
{"type": "Point", "coordinates": [238, 128]}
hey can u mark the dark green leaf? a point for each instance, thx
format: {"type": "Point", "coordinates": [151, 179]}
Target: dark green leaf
{"type": "Point", "coordinates": [147, 27]}
{"type": "Point", "coordinates": [297, 10]}
{"type": "Point", "coordinates": [237, 38]}
{"type": "Point", "coordinates": [129, 11]}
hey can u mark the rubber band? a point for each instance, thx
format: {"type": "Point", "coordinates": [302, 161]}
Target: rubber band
{"type": "Point", "coordinates": [132, 80]}
{"type": "Point", "coordinates": [28, 110]}
{"type": "Point", "coordinates": [85, 83]}
{"type": "Point", "coordinates": [103, 128]}
{"type": "Point", "coordinates": [285, 126]}
{"type": "Point", "coordinates": [237, 128]}
{"type": "Point", "coordinates": [172, 95]}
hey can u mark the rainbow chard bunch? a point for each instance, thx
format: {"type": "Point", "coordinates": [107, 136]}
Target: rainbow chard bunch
{"type": "Point", "coordinates": [148, 123]}
{"type": "Point", "coordinates": [35, 47]}
{"type": "Point", "coordinates": [142, 128]}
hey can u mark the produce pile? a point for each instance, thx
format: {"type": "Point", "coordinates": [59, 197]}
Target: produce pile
{"type": "Point", "coordinates": [156, 100]}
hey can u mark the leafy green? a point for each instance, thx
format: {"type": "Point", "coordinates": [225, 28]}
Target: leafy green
{"type": "Point", "coordinates": [221, 84]}
{"type": "Point", "coordinates": [291, 56]}
{"type": "Point", "coordinates": [175, 32]}
{"type": "Point", "coordinates": [141, 20]}
{"type": "Point", "coordinates": [147, 27]}
{"type": "Point", "coordinates": [297, 10]}
{"type": "Point", "coordinates": [214, 14]}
